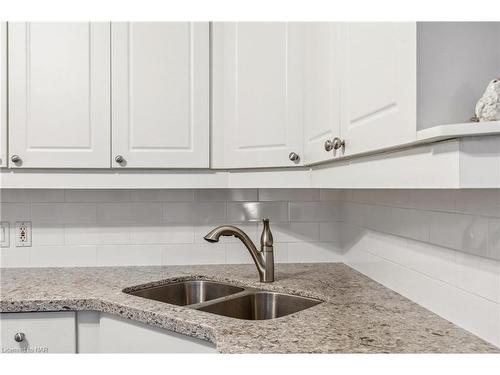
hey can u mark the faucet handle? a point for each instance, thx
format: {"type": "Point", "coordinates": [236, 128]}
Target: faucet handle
{"type": "Point", "coordinates": [266, 238]}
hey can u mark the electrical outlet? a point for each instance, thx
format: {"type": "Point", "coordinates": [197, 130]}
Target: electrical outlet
{"type": "Point", "coordinates": [5, 234]}
{"type": "Point", "coordinates": [23, 233]}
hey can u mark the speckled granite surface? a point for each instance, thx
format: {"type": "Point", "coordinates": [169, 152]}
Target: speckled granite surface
{"type": "Point", "coordinates": [358, 316]}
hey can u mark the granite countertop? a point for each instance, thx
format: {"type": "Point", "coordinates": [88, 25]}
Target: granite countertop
{"type": "Point", "coordinates": [358, 316]}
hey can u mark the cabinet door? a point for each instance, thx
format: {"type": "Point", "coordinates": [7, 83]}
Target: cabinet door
{"type": "Point", "coordinates": [118, 335]}
{"type": "Point", "coordinates": [3, 94]}
{"type": "Point", "coordinates": [160, 94]}
{"type": "Point", "coordinates": [42, 332]}
{"type": "Point", "coordinates": [59, 95]}
{"type": "Point", "coordinates": [257, 91]}
{"type": "Point", "coordinates": [379, 86]}
{"type": "Point", "coordinates": [322, 90]}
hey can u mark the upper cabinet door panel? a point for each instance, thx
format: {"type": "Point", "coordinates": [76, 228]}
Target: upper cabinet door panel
{"type": "Point", "coordinates": [59, 95]}
{"type": "Point", "coordinates": [160, 94]}
{"type": "Point", "coordinates": [379, 85]}
{"type": "Point", "coordinates": [322, 90]}
{"type": "Point", "coordinates": [3, 94]}
{"type": "Point", "coordinates": [257, 91]}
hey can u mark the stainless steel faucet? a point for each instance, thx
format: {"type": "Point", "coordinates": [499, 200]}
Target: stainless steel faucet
{"type": "Point", "coordinates": [263, 258]}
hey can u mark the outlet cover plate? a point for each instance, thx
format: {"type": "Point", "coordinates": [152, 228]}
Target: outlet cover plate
{"type": "Point", "coordinates": [23, 233]}
{"type": "Point", "coordinates": [5, 234]}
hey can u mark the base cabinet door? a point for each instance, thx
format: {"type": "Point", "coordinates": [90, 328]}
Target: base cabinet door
{"type": "Point", "coordinates": [59, 87]}
{"type": "Point", "coordinates": [160, 94]}
{"type": "Point", "coordinates": [118, 335]}
{"type": "Point", "coordinates": [378, 97]}
{"type": "Point", "coordinates": [257, 90]}
{"type": "Point", "coordinates": [39, 332]}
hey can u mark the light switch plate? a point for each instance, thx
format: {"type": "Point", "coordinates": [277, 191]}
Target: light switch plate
{"type": "Point", "coordinates": [4, 234]}
{"type": "Point", "coordinates": [23, 233]}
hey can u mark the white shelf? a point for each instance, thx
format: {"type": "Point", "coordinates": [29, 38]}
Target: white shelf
{"type": "Point", "coordinates": [467, 129]}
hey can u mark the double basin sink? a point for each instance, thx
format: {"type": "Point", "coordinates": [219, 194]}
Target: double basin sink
{"type": "Point", "coordinates": [225, 299]}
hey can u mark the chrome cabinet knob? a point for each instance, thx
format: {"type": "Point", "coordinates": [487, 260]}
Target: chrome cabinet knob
{"type": "Point", "coordinates": [337, 143]}
{"type": "Point", "coordinates": [294, 157]}
{"type": "Point", "coordinates": [15, 158]}
{"type": "Point", "coordinates": [328, 145]}
{"type": "Point", "coordinates": [19, 337]}
{"type": "Point", "coordinates": [119, 159]}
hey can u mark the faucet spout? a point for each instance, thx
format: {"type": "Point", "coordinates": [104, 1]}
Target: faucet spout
{"type": "Point", "coordinates": [263, 258]}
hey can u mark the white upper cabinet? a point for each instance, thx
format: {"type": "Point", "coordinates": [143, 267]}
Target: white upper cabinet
{"type": "Point", "coordinates": [3, 94]}
{"type": "Point", "coordinates": [59, 85]}
{"type": "Point", "coordinates": [257, 94]}
{"type": "Point", "coordinates": [378, 97]}
{"type": "Point", "coordinates": [322, 90]}
{"type": "Point", "coordinates": [232, 95]}
{"type": "Point", "coordinates": [160, 94]}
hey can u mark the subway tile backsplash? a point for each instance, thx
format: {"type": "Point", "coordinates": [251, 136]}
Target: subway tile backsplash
{"type": "Point", "coordinates": [462, 220]}
{"type": "Point", "coordinates": [254, 211]}
{"type": "Point", "coordinates": [138, 227]}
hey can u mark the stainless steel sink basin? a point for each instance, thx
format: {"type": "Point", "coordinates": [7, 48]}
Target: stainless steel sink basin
{"type": "Point", "coordinates": [260, 306]}
{"type": "Point", "coordinates": [224, 299]}
{"type": "Point", "coordinates": [187, 292]}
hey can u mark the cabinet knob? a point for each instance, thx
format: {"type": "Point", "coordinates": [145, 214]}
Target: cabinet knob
{"type": "Point", "coordinates": [119, 159]}
{"type": "Point", "coordinates": [294, 157]}
{"type": "Point", "coordinates": [328, 145]}
{"type": "Point", "coordinates": [338, 143]}
{"type": "Point", "coordinates": [19, 337]}
{"type": "Point", "coordinates": [15, 158]}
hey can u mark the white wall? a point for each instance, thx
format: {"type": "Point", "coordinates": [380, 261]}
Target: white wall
{"type": "Point", "coordinates": [448, 93]}
{"type": "Point", "coordinates": [154, 227]}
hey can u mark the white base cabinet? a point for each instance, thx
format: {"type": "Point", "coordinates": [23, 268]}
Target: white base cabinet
{"type": "Point", "coordinates": [118, 335]}
{"type": "Point", "coordinates": [90, 332]}
{"type": "Point", "coordinates": [38, 332]}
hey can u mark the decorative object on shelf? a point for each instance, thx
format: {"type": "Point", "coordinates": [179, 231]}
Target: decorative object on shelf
{"type": "Point", "coordinates": [488, 107]}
